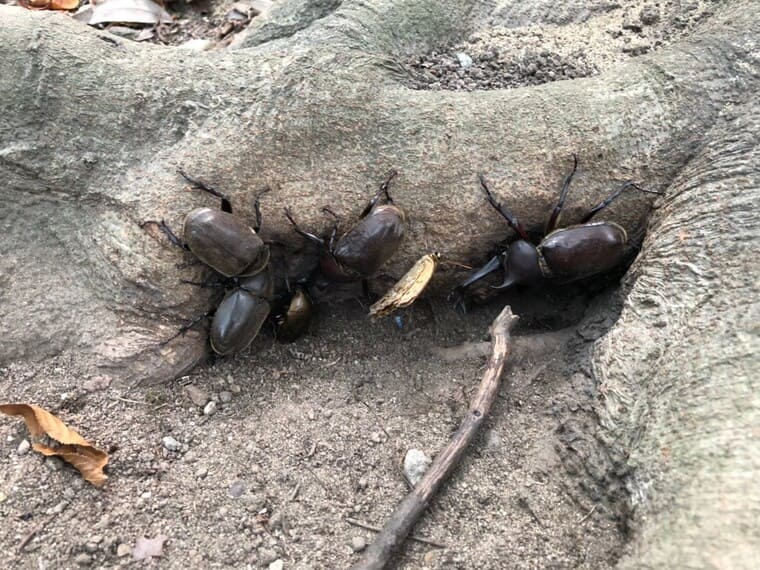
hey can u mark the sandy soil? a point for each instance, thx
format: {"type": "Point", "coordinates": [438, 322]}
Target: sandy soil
{"type": "Point", "coordinates": [307, 435]}
{"type": "Point", "coordinates": [313, 433]}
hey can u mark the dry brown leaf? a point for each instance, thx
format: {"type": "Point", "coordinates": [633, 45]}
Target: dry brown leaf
{"type": "Point", "coordinates": [149, 547]}
{"type": "Point", "coordinates": [73, 448]}
{"type": "Point", "coordinates": [408, 288]}
{"type": "Point", "coordinates": [64, 4]}
{"type": "Point", "coordinates": [50, 4]}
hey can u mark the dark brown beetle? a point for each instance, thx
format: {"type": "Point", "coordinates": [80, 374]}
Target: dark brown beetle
{"type": "Point", "coordinates": [362, 250]}
{"type": "Point", "coordinates": [221, 240]}
{"type": "Point", "coordinates": [565, 254]}
{"type": "Point", "coordinates": [239, 317]}
{"type": "Point", "coordinates": [293, 319]}
{"type": "Point", "coordinates": [230, 247]}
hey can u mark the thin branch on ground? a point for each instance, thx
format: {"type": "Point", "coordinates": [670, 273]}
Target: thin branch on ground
{"type": "Point", "coordinates": [400, 524]}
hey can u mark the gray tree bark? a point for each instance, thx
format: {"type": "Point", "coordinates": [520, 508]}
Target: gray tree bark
{"type": "Point", "coordinates": [312, 104]}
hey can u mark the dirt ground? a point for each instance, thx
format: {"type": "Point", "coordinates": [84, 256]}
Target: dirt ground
{"type": "Point", "coordinates": [307, 435]}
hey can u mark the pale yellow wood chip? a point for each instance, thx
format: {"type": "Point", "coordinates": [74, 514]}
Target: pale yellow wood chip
{"type": "Point", "coordinates": [408, 288]}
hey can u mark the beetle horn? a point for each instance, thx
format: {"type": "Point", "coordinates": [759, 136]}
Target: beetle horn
{"type": "Point", "coordinates": [521, 265]}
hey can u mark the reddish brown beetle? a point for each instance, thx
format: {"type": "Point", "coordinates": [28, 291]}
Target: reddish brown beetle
{"type": "Point", "coordinates": [363, 249]}
{"type": "Point", "coordinates": [565, 254]}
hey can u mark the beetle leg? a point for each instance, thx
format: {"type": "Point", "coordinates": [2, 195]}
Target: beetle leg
{"type": "Point", "coordinates": [257, 208]}
{"type": "Point", "coordinates": [173, 238]}
{"type": "Point", "coordinates": [187, 327]}
{"type": "Point", "coordinates": [562, 196]}
{"type": "Point", "coordinates": [609, 199]}
{"type": "Point", "coordinates": [207, 284]}
{"type": "Point", "coordinates": [199, 185]}
{"type": "Point", "coordinates": [383, 190]}
{"type": "Point", "coordinates": [309, 236]}
{"type": "Point", "coordinates": [334, 232]}
{"type": "Point", "coordinates": [511, 219]}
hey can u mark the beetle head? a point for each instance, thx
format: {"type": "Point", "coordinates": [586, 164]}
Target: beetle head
{"type": "Point", "coordinates": [521, 265]}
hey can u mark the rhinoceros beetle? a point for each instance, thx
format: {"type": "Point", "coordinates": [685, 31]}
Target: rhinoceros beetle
{"type": "Point", "coordinates": [362, 250]}
{"type": "Point", "coordinates": [234, 250]}
{"type": "Point", "coordinates": [566, 254]}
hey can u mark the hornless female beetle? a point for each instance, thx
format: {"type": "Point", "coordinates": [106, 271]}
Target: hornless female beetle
{"type": "Point", "coordinates": [294, 316]}
{"type": "Point", "coordinates": [360, 252]}
{"type": "Point", "coordinates": [242, 312]}
{"type": "Point", "coordinates": [566, 254]}
{"type": "Point", "coordinates": [230, 247]}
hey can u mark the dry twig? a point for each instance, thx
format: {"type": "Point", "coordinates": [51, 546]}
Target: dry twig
{"type": "Point", "coordinates": [400, 524]}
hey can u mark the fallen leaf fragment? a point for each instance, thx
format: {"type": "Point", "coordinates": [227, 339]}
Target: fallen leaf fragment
{"type": "Point", "coordinates": [128, 12]}
{"type": "Point", "coordinates": [408, 288]}
{"type": "Point", "coordinates": [149, 547]}
{"type": "Point", "coordinates": [72, 447]}
{"type": "Point", "coordinates": [64, 4]}
{"type": "Point", "coordinates": [50, 4]}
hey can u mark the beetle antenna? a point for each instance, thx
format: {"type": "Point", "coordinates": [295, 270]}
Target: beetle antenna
{"type": "Point", "coordinates": [200, 185]}
{"type": "Point", "coordinates": [552, 223]}
{"type": "Point", "coordinates": [609, 199]}
{"type": "Point", "coordinates": [511, 219]}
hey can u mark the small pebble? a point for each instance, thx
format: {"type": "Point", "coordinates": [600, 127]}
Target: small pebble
{"type": "Point", "coordinates": [171, 444]}
{"type": "Point", "coordinates": [53, 463]}
{"type": "Point", "coordinates": [375, 437]}
{"type": "Point", "coordinates": [123, 550]}
{"type": "Point", "coordinates": [492, 440]}
{"type": "Point", "coordinates": [237, 488]}
{"type": "Point", "coordinates": [197, 396]}
{"type": "Point", "coordinates": [276, 520]}
{"type": "Point", "coordinates": [196, 44]}
{"type": "Point", "coordinates": [277, 565]}
{"type": "Point", "coordinates": [358, 543]}
{"type": "Point", "coordinates": [464, 60]}
{"type": "Point", "coordinates": [267, 556]}
{"type": "Point", "coordinates": [23, 447]}
{"type": "Point", "coordinates": [225, 397]}
{"type": "Point", "coordinates": [363, 483]}
{"type": "Point", "coordinates": [416, 463]}
{"type": "Point", "coordinates": [201, 473]}
{"type": "Point", "coordinates": [210, 409]}
{"type": "Point", "coordinates": [83, 559]}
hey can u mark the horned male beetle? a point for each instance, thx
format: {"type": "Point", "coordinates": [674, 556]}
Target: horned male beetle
{"type": "Point", "coordinates": [362, 250]}
{"type": "Point", "coordinates": [235, 250]}
{"type": "Point", "coordinates": [565, 254]}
